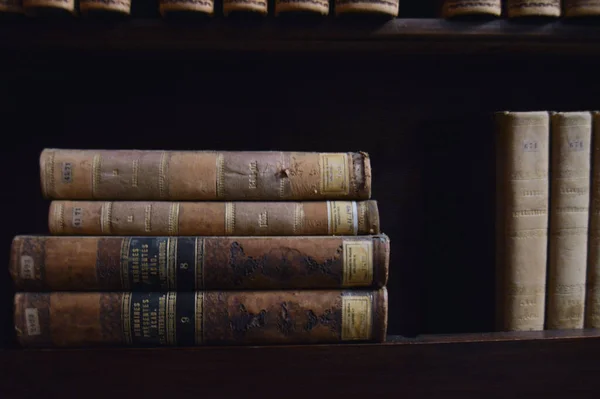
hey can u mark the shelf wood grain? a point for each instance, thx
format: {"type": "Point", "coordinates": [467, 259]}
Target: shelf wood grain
{"type": "Point", "coordinates": [429, 36]}
{"type": "Point", "coordinates": [539, 364]}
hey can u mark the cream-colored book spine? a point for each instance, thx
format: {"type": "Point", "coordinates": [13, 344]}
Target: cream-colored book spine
{"type": "Point", "coordinates": [523, 140]}
{"type": "Point", "coordinates": [571, 134]}
{"type": "Point", "coordinates": [592, 307]}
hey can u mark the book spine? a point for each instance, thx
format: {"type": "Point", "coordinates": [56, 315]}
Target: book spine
{"type": "Point", "coordinates": [377, 7]}
{"type": "Point", "coordinates": [11, 6]}
{"type": "Point", "coordinates": [533, 8]}
{"type": "Point", "coordinates": [581, 8]}
{"type": "Point", "coordinates": [117, 263]}
{"type": "Point", "coordinates": [31, 5]}
{"type": "Point", "coordinates": [77, 319]}
{"type": "Point", "coordinates": [203, 175]}
{"type": "Point", "coordinates": [456, 8]}
{"type": "Point", "coordinates": [120, 6]}
{"type": "Point", "coordinates": [260, 7]}
{"type": "Point", "coordinates": [320, 7]}
{"type": "Point", "coordinates": [524, 137]}
{"type": "Point", "coordinates": [571, 134]}
{"type": "Point", "coordinates": [251, 218]}
{"type": "Point", "coordinates": [202, 6]}
{"type": "Point", "coordinates": [592, 307]}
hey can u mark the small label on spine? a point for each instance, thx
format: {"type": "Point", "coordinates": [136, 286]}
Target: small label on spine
{"type": "Point", "coordinates": [530, 146]}
{"type": "Point", "coordinates": [358, 263]}
{"type": "Point", "coordinates": [342, 217]}
{"type": "Point", "coordinates": [27, 267]}
{"type": "Point", "coordinates": [67, 172]}
{"type": "Point", "coordinates": [77, 219]}
{"type": "Point", "coordinates": [335, 176]}
{"type": "Point", "coordinates": [32, 322]}
{"type": "Point", "coordinates": [356, 317]}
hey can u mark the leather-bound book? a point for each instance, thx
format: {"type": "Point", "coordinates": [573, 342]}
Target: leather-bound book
{"type": "Point", "coordinates": [245, 8]}
{"type": "Point", "coordinates": [308, 7]}
{"type": "Point", "coordinates": [571, 135]}
{"type": "Point", "coordinates": [581, 8]}
{"type": "Point", "coordinates": [108, 7]}
{"type": "Point", "coordinates": [92, 319]}
{"type": "Point", "coordinates": [163, 263]}
{"type": "Point", "coordinates": [592, 307]}
{"type": "Point", "coordinates": [522, 193]}
{"type": "Point", "coordinates": [380, 8]}
{"type": "Point", "coordinates": [461, 8]}
{"type": "Point", "coordinates": [49, 8]}
{"type": "Point", "coordinates": [533, 8]}
{"type": "Point", "coordinates": [205, 218]}
{"type": "Point", "coordinates": [184, 8]}
{"type": "Point", "coordinates": [204, 175]}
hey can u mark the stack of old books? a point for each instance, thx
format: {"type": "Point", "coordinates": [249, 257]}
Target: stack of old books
{"type": "Point", "coordinates": [202, 248]}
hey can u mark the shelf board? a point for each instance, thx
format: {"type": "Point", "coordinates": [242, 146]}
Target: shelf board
{"type": "Point", "coordinates": [422, 36]}
{"type": "Point", "coordinates": [470, 365]}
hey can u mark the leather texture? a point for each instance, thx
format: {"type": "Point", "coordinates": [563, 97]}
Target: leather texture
{"type": "Point", "coordinates": [80, 319]}
{"type": "Point", "coordinates": [120, 6]}
{"type": "Point", "coordinates": [88, 263]}
{"type": "Point", "coordinates": [319, 7]}
{"type": "Point", "coordinates": [454, 8]}
{"type": "Point", "coordinates": [378, 7]}
{"type": "Point", "coordinates": [206, 218]}
{"type": "Point", "coordinates": [571, 135]}
{"type": "Point", "coordinates": [522, 220]}
{"type": "Point", "coordinates": [149, 175]}
{"type": "Point", "coordinates": [533, 8]}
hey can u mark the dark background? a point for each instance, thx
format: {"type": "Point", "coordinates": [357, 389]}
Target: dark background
{"type": "Point", "coordinates": [424, 119]}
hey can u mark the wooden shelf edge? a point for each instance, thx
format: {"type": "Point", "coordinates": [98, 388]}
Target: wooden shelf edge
{"type": "Point", "coordinates": [432, 36]}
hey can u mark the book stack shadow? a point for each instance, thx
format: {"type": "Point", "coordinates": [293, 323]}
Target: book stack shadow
{"type": "Point", "coordinates": [189, 248]}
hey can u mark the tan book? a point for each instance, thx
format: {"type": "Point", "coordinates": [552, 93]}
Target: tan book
{"type": "Point", "coordinates": [380, 7]}
{"type": "Point", "coordinates": [581, 8]}
{"type": "Point", "coordinates": [592, 308]}
{"type": "Point", "coordinates": [533, 8]}
{"type": "Point", "coordinates": [320, 7]}
{"type": "Point", "coordinates": [111, 6]}
{"type": "Point", "coordinates": [221, 218]}
{"type": "Point", "coordinates": [522, 140]}
{"type": "Point", "coordinates": [38, 7]}
{"type": "Point", "coordinates": [571, 134]}
{"type": "Point", "coordinates": [457, 8]}
{"type": "Point", "coordinates": [186, 6]}
{"type": "Point", "coordinates": [259, 7]}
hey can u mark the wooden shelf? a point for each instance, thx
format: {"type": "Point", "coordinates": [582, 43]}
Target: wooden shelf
{"type": "Point", "coordinates": [468, 365]}
{"type": "Point", "coordinates": [421, 36]}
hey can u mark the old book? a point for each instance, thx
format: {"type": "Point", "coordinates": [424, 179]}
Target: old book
{"type": "Point", "coordinates": [592, 307]}
{"type": "Point", "coordinates": [387, 8]}
{"type": "Point", "coordinates": [319, 7]}
{"type": "Point", "coordinates": [204, 175]}
{"type": "Point", "coordinates": [105, 6]}
{"type": "Point", "coordinates": [522, 140]}
{"type": "Point", "coordinates": [533, 8]}
{"type": "Point", "coordinates": [114, 263]}
{"type": "Point", "coordinates": [168, 7]}
{"type": "Point", "coordinates": [11, 6]}
{"type": "Point", "coordinates": [571, 134]}
{"type": "Point", "coordinates": [457, 8]}
{"type": "Point", "coordinates": [255, 7]}
{"type": "Point", "coordinates": [213, 218]}
{"type": "Point", "coordinates": [581, 8]}
{"type": "Point", "coordinates": [78, 319]}
{"type": "Point", "coordinates": [49, 7]}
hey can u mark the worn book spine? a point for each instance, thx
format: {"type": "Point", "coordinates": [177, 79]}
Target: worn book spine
{"type": "Point", "coordinates": [533, 8]}
{"type": "Point", "coordinates": [112, 6]}
{"type": "Point", "coordinates": [592, 308]}
{"type": "Point", "coordinates": [581, 8]}
{"type": "Point", "coordinates": [38, 7]}
{"type": "Point", "coordinates": [213, 218]}
{"type": "Point", "coordinates": [115, 263]}
{"type": "Point", "coordinates": [523, 242]}
{"type": "Point", "coordinates": [78, 319]}
{"type": "Point", "coordinates": [571, 134]}
{"type": "Point", "coordinates": [11, 6]}
{"type": "Point", "coordinates": [457, 8]}
{"type": "Point", "coordinates": [150, 175]}
{"type": "Point", "coordinates": [320, 7]}
{"type": "Point", "coordinates": [257, 7]}
{"type": "Point", "coordinates": [379, 7]}
{"type": "Point", "coordinates": [186, 6]}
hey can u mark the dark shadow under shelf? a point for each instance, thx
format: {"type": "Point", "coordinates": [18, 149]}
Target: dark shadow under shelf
{"type": "Point", "coordinates": [469, 365]}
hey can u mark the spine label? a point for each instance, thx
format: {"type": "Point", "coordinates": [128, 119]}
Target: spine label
{"type": "Point", "coordinates": [358, 263]}
{"type": "Point", "coordinates": [335, 176]}
{"type": "Point", "coordinates": [342, 218]}
{"type": "Point", "coordinates": [356, 317]}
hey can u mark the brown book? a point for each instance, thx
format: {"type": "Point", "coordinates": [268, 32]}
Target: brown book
{"type": "Point", "coordinates": [168, 7]}
{"type": "Point", "coordinates": [459, 8]}
{"type": "Point", "coordinates": [49, 7]}
{"type": "Point", "coordinates": [204, 175]}
{"type": "Point", "coordinates": [105, 6]}
{"type": "Point", "coordinates": [79, 319]}
{"type": "Point", "coordinates": [117, 263]}
{"type": "Point", "coordinates": [213, 218]}
{"type": "Point", "coordinates": [533, 8]}
{"type": "Point", "coordinates": [592, 307]}
{"type": "Point", "coordinates": [581, 8]}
